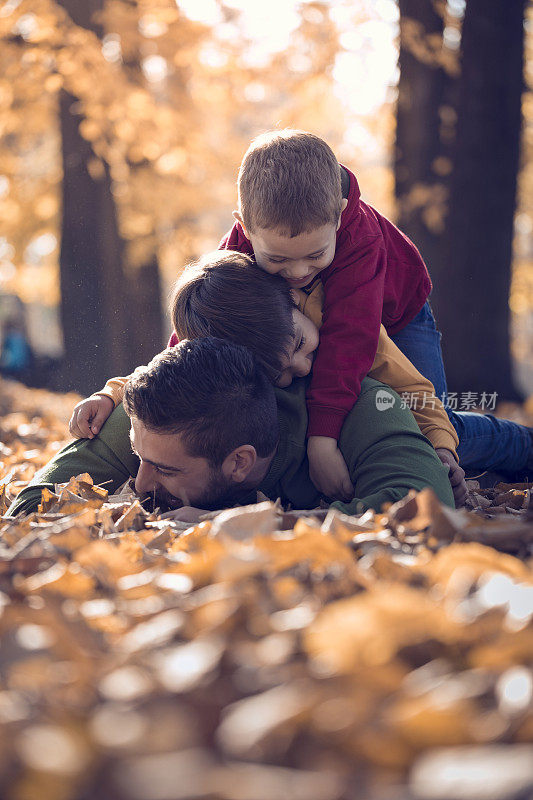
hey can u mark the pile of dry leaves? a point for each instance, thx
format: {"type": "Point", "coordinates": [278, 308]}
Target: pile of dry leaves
{"type": "Point", "coordinates": [262, 654]}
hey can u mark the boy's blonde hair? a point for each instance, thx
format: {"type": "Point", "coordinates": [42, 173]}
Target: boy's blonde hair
{"type": "Point", "coordinates": [289, 180]}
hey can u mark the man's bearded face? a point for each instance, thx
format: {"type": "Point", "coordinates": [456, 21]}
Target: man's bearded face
{"type": "Point", "coordinates": [173, 477]}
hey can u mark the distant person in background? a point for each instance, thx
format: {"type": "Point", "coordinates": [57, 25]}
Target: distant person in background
{"type": "Point", "coordinates": [15, 356]}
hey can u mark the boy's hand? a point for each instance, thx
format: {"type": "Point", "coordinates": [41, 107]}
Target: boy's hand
{"type": "Point", "coordinates": [456, 476]}
{"type": "Point", "coordinates": [89, 415]}
{"type": "Point", "coordinates": [327, 468]}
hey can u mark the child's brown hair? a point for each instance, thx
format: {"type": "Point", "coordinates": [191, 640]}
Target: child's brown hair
{"type": "Point", "coordinates": [289, 180]}
{"type": "Point", "coordinates": [225, 294]}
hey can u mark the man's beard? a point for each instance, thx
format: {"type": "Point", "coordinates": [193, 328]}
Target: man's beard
{"type": "Point", "coordinates": [220, 492]}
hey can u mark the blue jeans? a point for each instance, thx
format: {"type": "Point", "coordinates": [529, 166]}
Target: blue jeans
{"type": "Point", "coordinates": [485, 442]}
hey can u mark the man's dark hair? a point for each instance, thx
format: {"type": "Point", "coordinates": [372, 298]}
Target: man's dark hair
{"type": "Point", "coordinates": [225, 294]}
{"type": "Point", "coordinates": [212, 392]}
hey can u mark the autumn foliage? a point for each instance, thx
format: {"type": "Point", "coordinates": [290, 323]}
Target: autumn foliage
{"type": "Point", "coordinates": [262, 653]}
{"type": "Point", "coordinates": [266, 652]}
{"type": "Point", "coordinates": [169, 104]}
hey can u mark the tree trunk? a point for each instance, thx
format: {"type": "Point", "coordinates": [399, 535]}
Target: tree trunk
{"type": "Point", "coordinates": [92, 280]}
{"type": "Point", "coordinates": [472, 304]}
{"type": "Point", "coordinates": [144, 298]}
{"type": "Point", "coordinates": [422, 96]}
{"type": "Point", "coordinates": [111, 321]}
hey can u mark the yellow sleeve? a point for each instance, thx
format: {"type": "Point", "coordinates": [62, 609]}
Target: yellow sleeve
{"type": "Point", "coordinates": [114, 389]}
{"type": "Point", "coordinates": [311, 302]}
{"type": "Point", "coordinates": [393, 368]}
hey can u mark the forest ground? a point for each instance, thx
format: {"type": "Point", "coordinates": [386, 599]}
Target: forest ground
{"type": "Point", "coordinates": [263, 653]}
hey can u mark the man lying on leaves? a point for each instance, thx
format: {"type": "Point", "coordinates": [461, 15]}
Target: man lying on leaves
{"type": "Point", "coordinates": [225, 294]}
{"type": "Point", "coordinates": [201, 428]}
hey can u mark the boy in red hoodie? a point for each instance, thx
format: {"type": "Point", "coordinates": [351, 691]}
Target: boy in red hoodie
{"type": "Point", "coordinates": [301, 215]}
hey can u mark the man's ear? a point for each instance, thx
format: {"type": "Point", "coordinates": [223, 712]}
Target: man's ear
{"type": "Point", "coordinates": [239, 463]}
{"type": "Point", "coordinates": [343, 206]}
{"type": "Point", "coordinates": [237, 217]}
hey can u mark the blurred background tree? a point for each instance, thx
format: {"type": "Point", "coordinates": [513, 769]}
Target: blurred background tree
{"type": "Point", "coordinates": [126, 121]}
{"type": "Point", "coordinates": [457, 159]}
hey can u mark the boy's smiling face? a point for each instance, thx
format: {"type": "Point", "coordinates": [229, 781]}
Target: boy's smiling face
{"type": "Point", "coordinates": [299, 358]}
{"type": "Point", "coordinates": [298, 259]}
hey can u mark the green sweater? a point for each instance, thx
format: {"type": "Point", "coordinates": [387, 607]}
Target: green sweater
{"type": "Point", "coordinates": [385, 452]}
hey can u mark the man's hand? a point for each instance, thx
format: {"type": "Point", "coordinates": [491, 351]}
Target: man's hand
{"type": "Point", "coordinates": [456, 476]}
{"type": "Point", "coordinates": [185, 514]}
{"type": "Point", "coordinates": [327, 468]}
{"type": "Point", "coordinates": [89, 415]}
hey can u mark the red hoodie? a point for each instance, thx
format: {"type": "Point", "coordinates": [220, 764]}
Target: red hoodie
{"type": "Point", "coordinates": [377, 275]}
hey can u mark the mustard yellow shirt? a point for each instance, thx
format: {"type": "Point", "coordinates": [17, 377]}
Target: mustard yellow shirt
{"type": "Point", "coordinates": [393, 368]}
